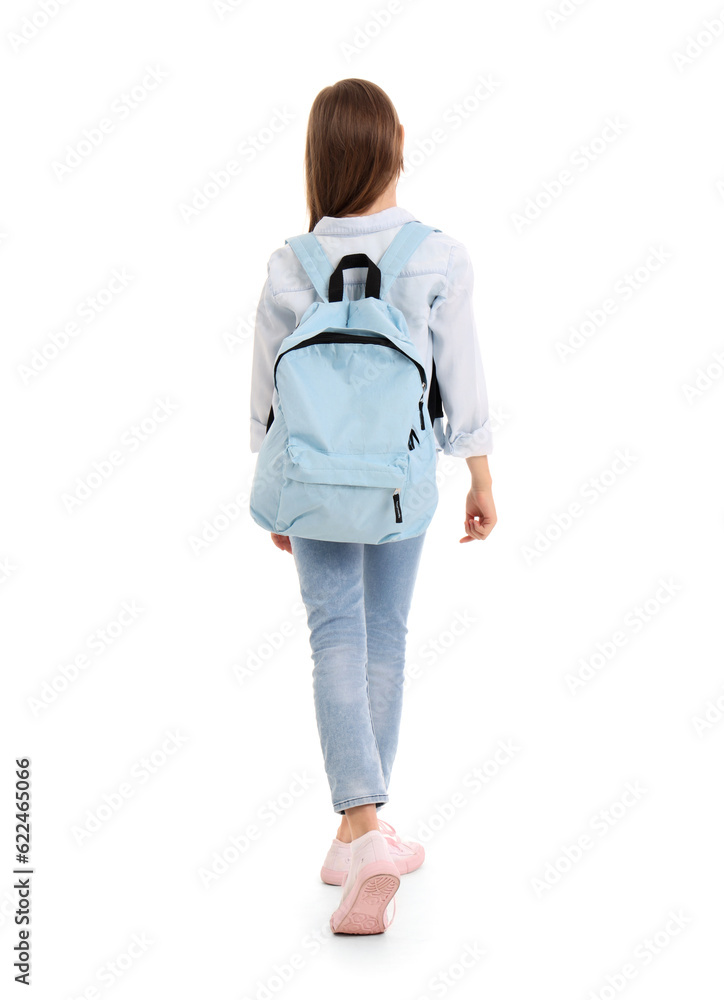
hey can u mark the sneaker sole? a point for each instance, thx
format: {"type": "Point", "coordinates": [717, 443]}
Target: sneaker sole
{"type": "Point", "coordinates": [363, 910]}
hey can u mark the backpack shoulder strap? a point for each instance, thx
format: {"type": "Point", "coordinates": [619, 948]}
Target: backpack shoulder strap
{"type": "Point", "coordinates": [400, 250]}
{"type": "Point", "coordinates": [314, 261]}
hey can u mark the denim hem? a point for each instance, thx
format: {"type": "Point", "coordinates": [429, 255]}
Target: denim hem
{"type": "Point", "coordinates": [361, 800]}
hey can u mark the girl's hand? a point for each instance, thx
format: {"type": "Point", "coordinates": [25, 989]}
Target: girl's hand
{"type": "Point", "coordinates": [479, 504]}
{"type": "Point", "coordinates": [282, 542]}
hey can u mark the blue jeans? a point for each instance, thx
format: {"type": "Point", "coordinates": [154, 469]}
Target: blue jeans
{"type": "Point", "coordinates": [357, 599]}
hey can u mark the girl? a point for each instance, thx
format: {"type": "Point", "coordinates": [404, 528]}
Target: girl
{"type": "Point", "coordinates": [358, 596]}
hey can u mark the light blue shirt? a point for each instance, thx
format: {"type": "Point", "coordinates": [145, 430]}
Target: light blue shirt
{"type": "Point", "coordinates": [434, 292]}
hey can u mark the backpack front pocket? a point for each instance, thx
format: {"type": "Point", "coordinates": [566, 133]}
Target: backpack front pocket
{"type": "Point", "coordinates": [347, 498]}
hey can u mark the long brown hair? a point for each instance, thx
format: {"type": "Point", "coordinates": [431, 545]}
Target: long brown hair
{"type": "Point", "coordinates": [353, 148]}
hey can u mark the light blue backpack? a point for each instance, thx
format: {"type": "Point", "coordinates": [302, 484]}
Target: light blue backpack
{"type": "Point", "coordinates": [349, 455]}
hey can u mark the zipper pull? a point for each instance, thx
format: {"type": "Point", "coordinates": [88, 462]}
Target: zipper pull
{"type": "Point", "coordinates": [422, 421]}
{"type": "Point", "coordinates": [398, 509]}
{"type": "Point", "coordinates": [410, 442]}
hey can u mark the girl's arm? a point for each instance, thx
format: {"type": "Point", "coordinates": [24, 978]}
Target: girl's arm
{"type": "Point", "coordinates": [459, 369]}
{"type": "Point", "coordinates": [458, 364]}
{"type": "Point", "coordinates": [273, 323]}
{"type": "Point", "coordinates": [478, 465]}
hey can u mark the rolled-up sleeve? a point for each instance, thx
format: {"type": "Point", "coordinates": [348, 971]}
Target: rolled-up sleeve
{"type": "Point", "coordinates": [273, 323]}
{"type": "Point", "coordinates": [458, 363]}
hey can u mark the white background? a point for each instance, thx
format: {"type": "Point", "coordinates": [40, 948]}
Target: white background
{"type": "Point", "coordinates": [181, 331]}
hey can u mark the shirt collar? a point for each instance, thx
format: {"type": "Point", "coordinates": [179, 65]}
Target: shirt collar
{"type": "Point", "coordinates": [388, 218]}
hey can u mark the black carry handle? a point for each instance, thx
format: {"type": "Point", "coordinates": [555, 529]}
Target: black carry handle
{"type": "Point", "coordinates": [374, 277]}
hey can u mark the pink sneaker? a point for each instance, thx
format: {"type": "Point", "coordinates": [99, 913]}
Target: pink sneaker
{"type": "Point", "coordinates": [372, 884]}
{"type": "Point", "coordinates": [407, 855]}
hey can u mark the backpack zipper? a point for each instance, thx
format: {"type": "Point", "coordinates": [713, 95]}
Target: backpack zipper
{"type": "Point", "coordinates": [336, 338]}
{"type": "Point", "coordinates": [398, 509]}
